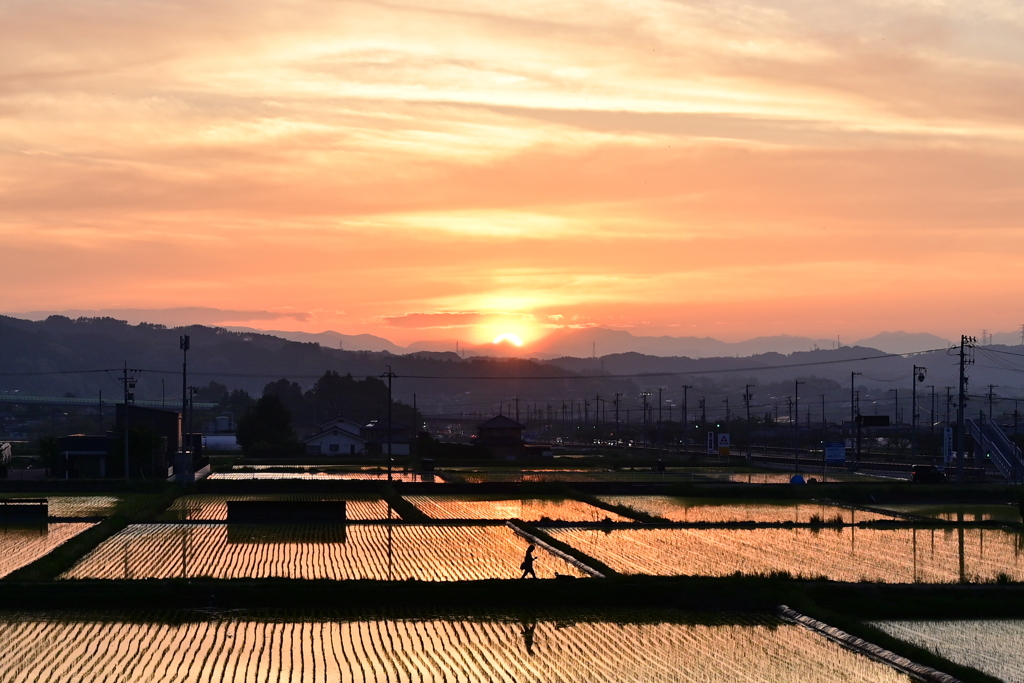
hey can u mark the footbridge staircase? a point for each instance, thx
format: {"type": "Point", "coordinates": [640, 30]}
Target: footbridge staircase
{"type": "Point", "coordinates": [991, 439]}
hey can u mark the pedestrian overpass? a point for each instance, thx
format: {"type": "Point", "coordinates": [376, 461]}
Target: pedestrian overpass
{"type": "Point", "coordinates": [1004, 454]}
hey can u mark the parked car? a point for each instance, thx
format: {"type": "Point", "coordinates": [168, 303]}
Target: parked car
{"type": "Point", "coordinates": [928, 474]}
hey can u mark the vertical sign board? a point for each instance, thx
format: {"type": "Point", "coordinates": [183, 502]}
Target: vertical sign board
{"type": "Point", "coordinates": [947, 446]}
{"type": "Point", "coordinates": [723, 444]}
{"type": "Point", "coordinates": [711, 444]}
{"type": "Point", "coordinates": [835, 453]}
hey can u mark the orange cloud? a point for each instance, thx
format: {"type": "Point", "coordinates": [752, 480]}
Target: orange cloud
{"type": "Point", "coordinates": [733, 168]}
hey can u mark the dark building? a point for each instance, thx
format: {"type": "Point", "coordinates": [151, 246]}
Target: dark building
{"type": "Point", "coordinates": [154, 439]}
{"type": "Point", "coordinates": [376, 435]}
{"type": "Point", "coordinates": [502, 436]}
{"type": "Point", "coordinates": [87, 457]}
{"type": "Point", "coordinates": [163, 423]}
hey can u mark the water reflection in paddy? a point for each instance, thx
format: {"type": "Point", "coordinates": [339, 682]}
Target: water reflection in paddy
{"type": "Point", "coordinates": [748, 649]}
{"type": "Point", "coordinates": [367, 551]}
{"type": "Point", "coordinates": [842, 554]}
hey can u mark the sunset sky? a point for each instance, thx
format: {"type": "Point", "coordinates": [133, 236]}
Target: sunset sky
{"type": "Point", "coordinates": [454, 169]}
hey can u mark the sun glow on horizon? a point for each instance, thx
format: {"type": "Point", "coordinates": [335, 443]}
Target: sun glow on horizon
{"type": "Point", "coordinates": [509, 337]}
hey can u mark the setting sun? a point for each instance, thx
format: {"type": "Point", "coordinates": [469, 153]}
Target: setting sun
{"type": "Point", "coordinates": [509, 337]}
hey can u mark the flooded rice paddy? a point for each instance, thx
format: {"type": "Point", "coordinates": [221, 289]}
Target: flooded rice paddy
{"type": "Point", "coordinates": [694, 511]}
{"type": "Point", "coordinates": [325, 476]}
{"type": "Point", "coordinates": [584, 476]}
{"type": "Point", "coordinates": [838, 554]}
{"type": "Point", "coordinates": [381, 552]}
{"type": "Point", "coordinates": [214, 507]}
{"type": "Point", "coordinates": [784, 477]}
{"type": "Point", "coordinates": [89, 505]}
{"type": "Point", "coordinates": [647, 475]}
{"type": "Point", "coordinates": [24, 544]}
{"type": "Point", "coordinates": [526, 509]}
{"type": "Point", "coordinates": [244, 649]}
{"type": "Point", "coordinates": [962, 513]}
{"type": "Point", "coordinates": [74, 506]}
{"type": "Point", "coordinates": [993, 647]}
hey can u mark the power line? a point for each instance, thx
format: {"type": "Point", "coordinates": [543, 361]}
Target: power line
{"type": "Point", "coordinates": [664, 373]}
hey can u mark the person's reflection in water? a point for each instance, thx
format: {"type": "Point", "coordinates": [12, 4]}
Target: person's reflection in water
{"type": "Point", "coordinates": [529, 627]}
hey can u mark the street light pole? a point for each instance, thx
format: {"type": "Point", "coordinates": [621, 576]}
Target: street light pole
{"type": "Point", "coordinates": [918, 376]}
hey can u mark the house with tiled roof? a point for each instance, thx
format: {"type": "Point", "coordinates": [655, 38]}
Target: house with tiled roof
{"type": "Point", "coordinates": [502, 436]}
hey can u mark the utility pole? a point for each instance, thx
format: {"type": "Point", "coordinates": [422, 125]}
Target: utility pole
{"type": "Point", "coordinates": [931, 423]}
{"type": "Point", "coordinates": [857, 399]}
{"type": "Point", "coordinates": [192, 391]}
{"type": "Point", "coordinates": [686, 436]}
{"type": "Point", "coordinates": [184, 344]}
{"type": "Point", "coordinates": [918, 376]}
{"type": "Point", "coordinates": [747, 396]}
{"type": "Point", "coordinates": [660, 404]}
{"type": "Point", "coordinates": [128, 383]}
{"type": "Point", "coordinates": [390, 375]}
{"type": "Point", "coordinates": [949, 404]}
{"type": "Point", "coordinates": [517, 407]}
{"type": "Point", "coordinates": [728, 415]}
{"type": "Point", "coordinates": [965, 344]}
{"type": "Point", "coordinates": [991, 397]}
{"type": "Point", "coordinates": [796, 424]}
{"type": "Point", "coordinates": [1016, 421]}
{"type": "Point", "coordinates": [853, 414]}
{"type": "Point", "coordinates": [617, 395]}
{"type": "Point", "coordinates": [703, 415]}
{"type": "Point", "coordinates": [644, 395]}
{"type": "Point", "coordinates": [824, 423]}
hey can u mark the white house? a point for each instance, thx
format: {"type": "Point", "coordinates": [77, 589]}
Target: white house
{"type": "Point", "coordinates": [337, 437]}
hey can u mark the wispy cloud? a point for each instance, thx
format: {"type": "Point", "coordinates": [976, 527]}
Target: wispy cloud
{"type": "Point", "coordinates": [760, 163]}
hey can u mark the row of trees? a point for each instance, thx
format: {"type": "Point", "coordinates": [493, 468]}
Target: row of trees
{"type": "Point", "coordinates": [271, 424]}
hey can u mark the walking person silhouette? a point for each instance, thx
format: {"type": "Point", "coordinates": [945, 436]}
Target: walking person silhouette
{"type": "Point", "coordinates": [527, 565]}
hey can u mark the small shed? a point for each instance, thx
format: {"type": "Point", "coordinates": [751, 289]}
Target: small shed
{"type": "Point", "coordinates": [502, 436]}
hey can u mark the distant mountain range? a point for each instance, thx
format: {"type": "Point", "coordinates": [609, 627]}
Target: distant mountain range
{"type": "Point", "coordinates": [599, 341]}
{"type": "Point", "coordinates": [60, 356]}
{"type": "Point", "coordinates": [333, 340]}
{"type": "Point", "coordinates": [578, 343]}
